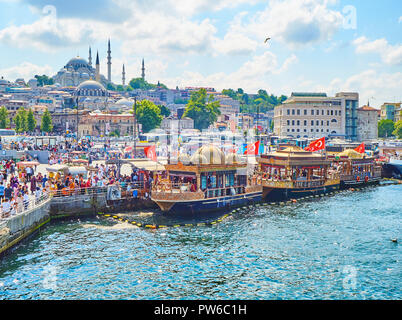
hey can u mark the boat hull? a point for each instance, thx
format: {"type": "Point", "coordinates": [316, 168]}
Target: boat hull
{"type": "Point", "coordinates": [346, 184]}
{"type": "Point", "coordinates": [271, 194]}
{"type": "Point", "coordinates": [194, 207]}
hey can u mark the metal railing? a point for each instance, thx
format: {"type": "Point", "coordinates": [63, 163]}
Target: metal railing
{"type": "Point", "coordinates": [21, 207]}
{"type": "Point", "coordinates": [125, 188]}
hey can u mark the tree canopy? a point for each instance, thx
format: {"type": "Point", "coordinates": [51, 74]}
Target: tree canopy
{"type": "Point", "coordinates": [148, 114]}
{"type": "Point", "coordinates": [44, 80]}
{"type": "Point", "coordinates": [139, 83]}
{"type": "Point", "coordinates": [385, 128]}
{"type": "Point", "coordinates": [204, 112]}
{"type": "Point", "coordinates": [398, 130]}
{"type": "Point", "coordinates": [261, 102]}
{"type": "Point", "coordinates": [4, 119]}
{"type": "Point", "coordinates": [46, 124]}
{"type": "Point", "coordinates": [31, 121]}
{"type": "Point", "coordinates": [21, 120]}
{"type": "Point", "coordinates": [164, 110]}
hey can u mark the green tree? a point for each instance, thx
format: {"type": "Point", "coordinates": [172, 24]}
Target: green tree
{"type": "Point", "coordinates": [139, 83]}
{"type": "Point", "coordinates": [31, 121]}
{"type": "Point", "coordinates": [203, 112]}
{"type": "Point", "coordinates": [46, 122]}
{"type": "Point", "coordinates": [398, 130]}
{"type": "Point", "coordinates": [21, 120]}
{"type": "Point", "coordinates": [4, 119]}
{"type": "Point", "coordinates": [111, 87]}
{"type": "Point", "coordinates": [44, 80]}
{"type": "Point", "coordinates": [164, 110]}
{"type": "Point", "coordinates": [385, 128]}
{"type": "Point", "coordinates": [148, 114]}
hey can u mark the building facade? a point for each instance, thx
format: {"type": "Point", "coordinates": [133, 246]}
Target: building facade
{"type": "Point", "coordinates": [390, 111]}
{"type": "Point", "coordinates": [367, 122]}
{"type": "Point", "coordinates": [314, 115]}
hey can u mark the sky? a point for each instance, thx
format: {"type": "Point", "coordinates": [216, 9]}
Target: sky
{"type": "Point", "coordinates": [316, 45]}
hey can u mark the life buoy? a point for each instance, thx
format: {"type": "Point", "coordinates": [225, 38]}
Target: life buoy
{"type": "Point", "coordinates": [357, 178]}
{"type": "Point", "coordinates": [366, 179]}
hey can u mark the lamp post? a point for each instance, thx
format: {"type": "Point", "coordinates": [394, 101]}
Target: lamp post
{"type": "Point", "coordinates": [135, 126]}
{"type": "Point", "coordinates": [77, 119]}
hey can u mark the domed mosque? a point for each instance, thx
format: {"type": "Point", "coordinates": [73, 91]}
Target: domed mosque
{"type": "Point", "coordinates": [78, 70]}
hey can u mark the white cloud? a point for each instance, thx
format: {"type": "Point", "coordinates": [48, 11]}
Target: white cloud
{"type": "Point", "coordinates": [390, 54]}
{"type": "Point", "coordinates": [400, 19]}
{"type": "Point", "coordinates": [25, 70]}
{"type": "Point", "coordinates": [381, 86]}
{"type": "Point", "coordinates": [254, 74]}
{"type": "Point", "coordinates": [295, 22]}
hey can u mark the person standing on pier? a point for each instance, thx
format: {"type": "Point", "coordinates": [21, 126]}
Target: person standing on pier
{"type": "Point", "coordinates": [33, 184]}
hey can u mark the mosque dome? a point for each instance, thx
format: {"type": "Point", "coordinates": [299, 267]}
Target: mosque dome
{"type": "Point", "coordinates": [91, 88]}
{"type": "Point", "coordinates": [77, 63]}
{"type": "Point", "coordinates": [213, 154]}
{"type": "Point", "coordinates": [125, 102]}
{"type": "Point", "coordinates": [198, 159]}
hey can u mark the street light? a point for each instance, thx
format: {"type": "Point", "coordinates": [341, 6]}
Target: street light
{"type": "Point", "coordinates": [135, 126]}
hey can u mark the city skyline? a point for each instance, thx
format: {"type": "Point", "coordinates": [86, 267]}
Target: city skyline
{"type": "Point", "coordinates": [316, 45]}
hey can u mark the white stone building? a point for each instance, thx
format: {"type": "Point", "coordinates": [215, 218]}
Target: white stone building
{"type": "Point", "coordinates": [367, 123]}
{"type": "Point", "coordinates": [314, 115]}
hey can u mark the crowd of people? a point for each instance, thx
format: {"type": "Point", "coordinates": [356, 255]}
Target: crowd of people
{"type": "Point", "coordinates": [22, 185]}
{"type": "Point", "coordinates": [18, 191]}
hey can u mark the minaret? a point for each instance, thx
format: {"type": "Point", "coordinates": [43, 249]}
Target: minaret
{"type": "Point", "coordinates": [90, 57]}
{"type": "Point", "coordinates": [123, 76]}
{"type": "Point", "coordinates": [97, 74]}
{"type": "Point", "coordinates": [143, 70]}
{"type": "Point", "coordinates": [109, 63]}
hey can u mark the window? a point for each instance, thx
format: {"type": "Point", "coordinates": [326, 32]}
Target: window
{"type": "Point", "coordinates": [305, 123]}
{"type": "Point", "coordinates": [288, 111]}
{"type": "Point", "coordinates": [332, 112]}
{"type": "Point", "coordinates": [334, 121]}
{"type": "Point", "coordinates": [317, 123]}
{"type": "Point", "coordinates": [288, 122]}
{"type": "Point", "coordinates": [327, 112]}
{"type": "Point", "coordinates": [336, 112]}
{"type": "Point", "coordinates": [293, 122]}
{"type": "Point", "coordinates": [339, 112]}
{"type": "Point", "coordinates": [293, 112]}
{"type": "Point", "coordinates": [322, 112]}
{"type": "Point", "coordinates": [312, 122]}
{"type": "Point", "coordinates": [298, 122]}
{"type": "Point", "coordinates": [322, 123]}
{"type": "Point", "coordinates": [298, 130]}
{"type": "Point", "coordinates": [305, 112]}
{"type": "Point", "coordinates": [327, 123]}
{"type": "Point", "coordinates": [298, 112]}
{"type": "Point", "coordinates": [312, 112]}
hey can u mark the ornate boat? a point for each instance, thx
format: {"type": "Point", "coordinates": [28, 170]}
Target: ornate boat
{"type": "Point", "coordinates": [356, 169]}
{"type": "Point", "coordinates": [208, 181]}
{"type": "Point", "coordinates": [291, 173]}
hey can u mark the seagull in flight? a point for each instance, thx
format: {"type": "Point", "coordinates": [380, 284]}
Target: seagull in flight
{"type": "Point", "coordinates": [266, 40]}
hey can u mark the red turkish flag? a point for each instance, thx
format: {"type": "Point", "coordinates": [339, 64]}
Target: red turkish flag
{"type": "Point", "coordinates": [361, 148]}
{"type": "Point", "coordinates": [316, 145]}
{"type": "Point", "coordinates": [252, 149]}
{"type": "Point", "coordinates": [150, 152]}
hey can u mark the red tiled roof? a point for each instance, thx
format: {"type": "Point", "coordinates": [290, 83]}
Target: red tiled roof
{"type": "Point", "coordinates": [367, 108]}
